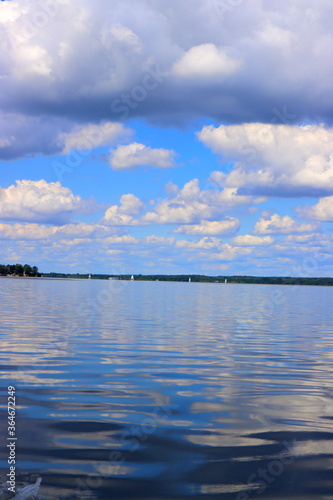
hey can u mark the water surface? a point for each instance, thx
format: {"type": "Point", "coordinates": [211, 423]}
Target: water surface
{"type": "Point", "coordinates": [155, 390]}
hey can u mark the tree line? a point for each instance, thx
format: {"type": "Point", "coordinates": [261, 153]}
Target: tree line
{"type": "Point", "coordinates": [32, 271]}
{"type": "Point", "coordinates": [259, 280]}
{"type": "Point", "coordinates": [196, 278]}
{"type": "Point", "coordinates": [18, 270]}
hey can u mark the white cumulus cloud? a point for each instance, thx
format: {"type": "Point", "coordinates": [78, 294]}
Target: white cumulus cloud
{"type": "Point", "coordinates": [283, 160]}
{"type": "Point", "coordinates": [248, 240]}
{"type": "Point", "coordinates": [124, 214]}
{"type": "Point", "coordinates": [40, 201]}
{"type": "Point", "coordinates": [205, 60]}
{"type": "Point", "coordinates": [93, 136]}
{"type": "Point", "coordinates": [322, 211]}
{"type": "Point", "coordinates": [191, 204]}
{"type": "Point", "coordinates": [133, 155]}
{"type": "Point", "coordinates": [303, 238]}
{"type": "Point", "coordinates": [210, 228]}
{"type": "Point", "coordinates": [277, 224]}
{"type": "Point", "coordinates": [34, 231]}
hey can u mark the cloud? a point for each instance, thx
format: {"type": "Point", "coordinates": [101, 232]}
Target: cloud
{"type": "Point", "coordinates": [39, 201]}
{"type": "Point", "coordinates": [205, 61]}
{"type": "Point", "coordinates": [206, 243]}
{"type": "Point", "coordinates": [190, 205]}
{"type": "Point", "coordinates": [127, 37]}
{"type": "Point", "coordinates": [47, 80]}
{"type": "Point", "coordinates": [160, 241]}
{"type": "Point", "coordinates": [23, 135]}
{"type": "Point", "coordinates": [303, 238]}
{"type": "Point", "coordinates": [124, 239]}
{"type": "Point", "coordinates": [248, 240]}
{"type": "Point", "coordinates": [96, 247]}
{"type": "Point", "coordinates": [34, 231]}
{"type": "Point", "coordinates": [206, 248]}
{"type": "Point", "coordinates": [210, 228]}
{"type": "Point", "coordinates": [25, 232]}
{"type": "Point", "coordinates": [92, 136]}
{"type": "Point", "coordinates": [227, 252]}
{"type": "Point", "coordinates": [133, 155]}
{"type": "Point", "coordinates": [123, 214]}
{"type": "Point", "coordinates": [6, 141]}
{"type": "Point", "coordinates": [276, 224]}
{"type": "Point", "coordinates": [280, 160]}
{"type": "Point", "coordinates": [322, 211]}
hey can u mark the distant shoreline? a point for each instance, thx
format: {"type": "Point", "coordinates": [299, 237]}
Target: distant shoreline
{"type": "Point", "coordinates": [225, 280]}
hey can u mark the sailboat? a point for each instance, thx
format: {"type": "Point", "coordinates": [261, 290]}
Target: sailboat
{"type": "Point", "coordinates": [132, 278]}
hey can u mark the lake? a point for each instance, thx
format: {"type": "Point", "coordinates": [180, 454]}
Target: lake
{"type": "Point", "coordinates": [156, 390]}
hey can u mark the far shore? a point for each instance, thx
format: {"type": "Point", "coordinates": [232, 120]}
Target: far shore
{"type": "Point", "coordinates": [190, 278]}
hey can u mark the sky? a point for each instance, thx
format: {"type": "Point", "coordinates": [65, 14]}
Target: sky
{"type": "Point", "coordinates": [167, 136]}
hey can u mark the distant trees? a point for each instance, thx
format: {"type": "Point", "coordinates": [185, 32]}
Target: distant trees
{"type": "Point", "coordinates": [3, 270]}
{"type": "Point", "coordinates": [18, 270]}
{"type": "Point", "coordinates": [196, 278]}
{"type": "Point", "coordinates": [30, 271]}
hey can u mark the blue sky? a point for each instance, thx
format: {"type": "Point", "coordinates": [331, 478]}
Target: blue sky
{"type": "Point", "coordinates": [134, 142]}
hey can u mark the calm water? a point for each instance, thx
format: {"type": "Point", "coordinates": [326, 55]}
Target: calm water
{"type": "Point", "coordinates": [169, 390]}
